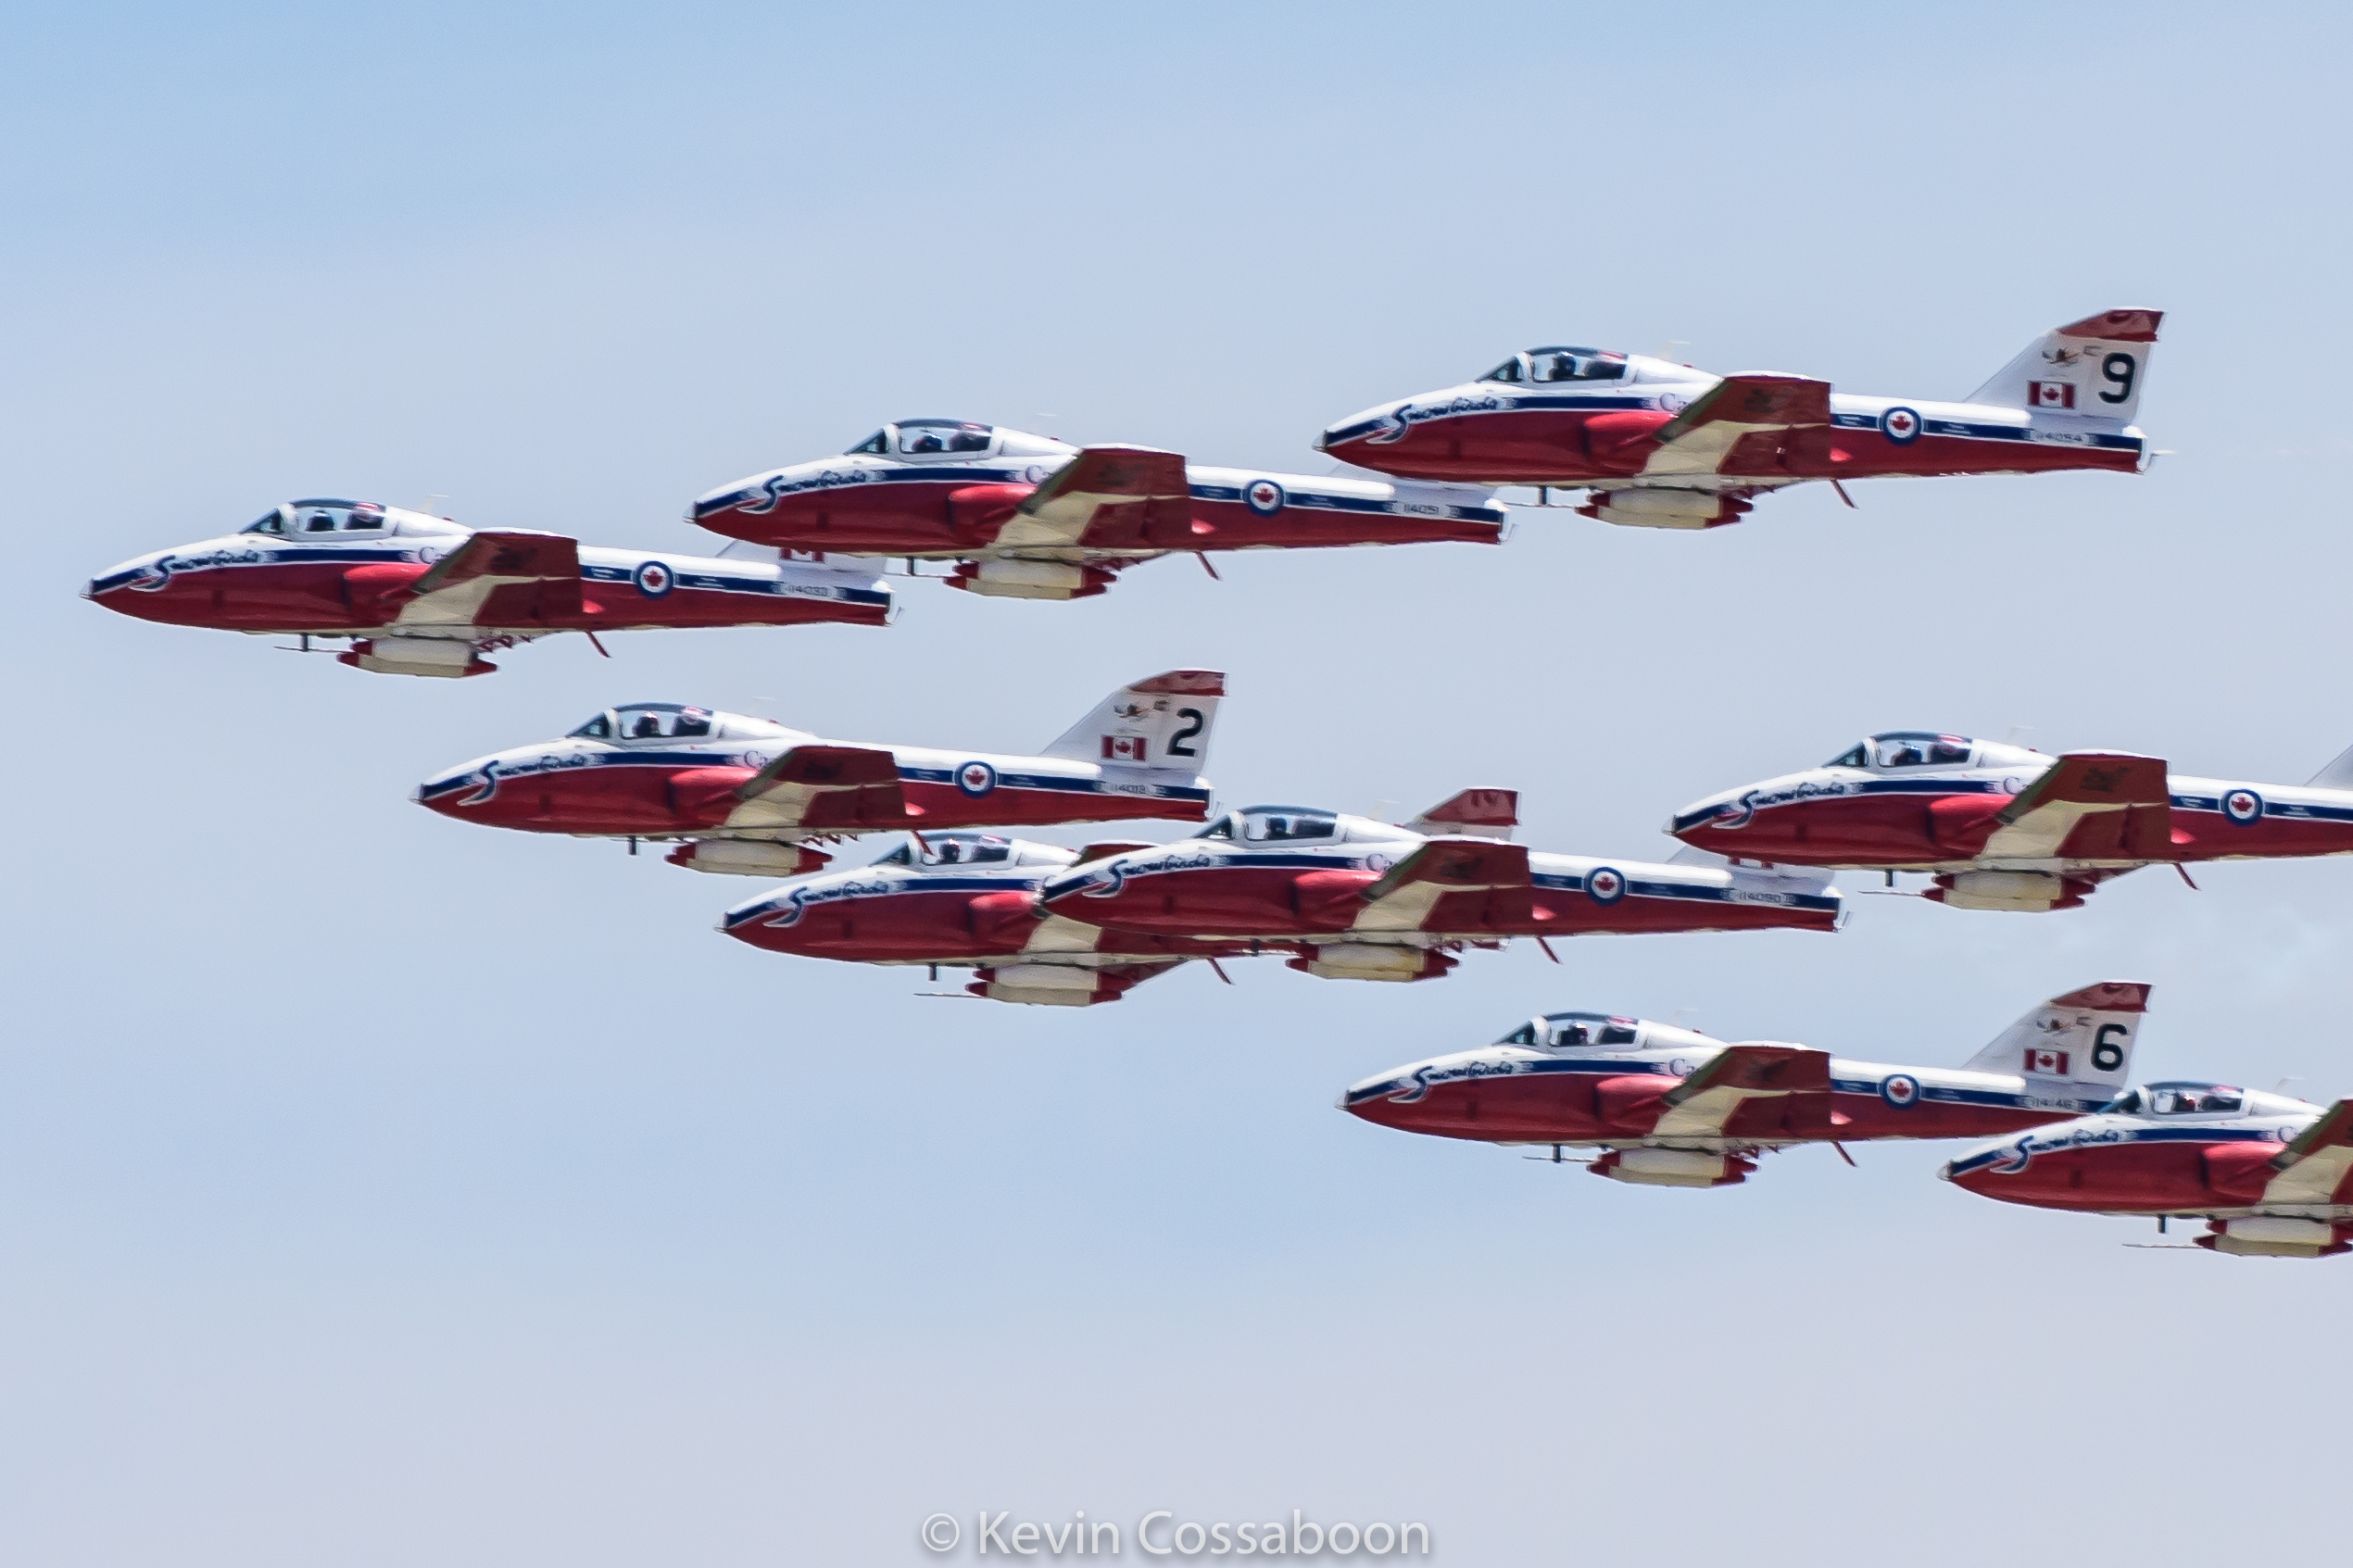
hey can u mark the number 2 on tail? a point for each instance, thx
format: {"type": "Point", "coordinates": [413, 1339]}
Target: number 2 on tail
{"type": "Point", "coordinates": [1177, 746]}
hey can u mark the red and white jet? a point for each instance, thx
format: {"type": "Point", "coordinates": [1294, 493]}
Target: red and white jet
{"type": "Point", "coordinates": [965, 900]}
{"type": "Point", "coordinates": [1662, 445]}
{"type": "Point", "coordinates": [421, 596]}
{"type": "Point", "coordinates": [1029, 517]}
{"type": "Point", "coordinates": [2272, 1176]}
{"type": "Point", "coordinates": [1365, 900]}
{"type": "Point", "coordinates": [748, 796]}
{"type": "Point", "coordinates": [1672, 1108]}
{"type": "Point", "coordinates": [2001, 827]}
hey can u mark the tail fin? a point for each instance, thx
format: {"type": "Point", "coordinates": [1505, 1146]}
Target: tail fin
{"type": "Point", "coordinates": [2094, 366]}
{"type": "Point", "coordinates": [2084, 1037]}
{"type": "Point", "coordinates": [2338, 774]}
{"type": "Point", "coordinates": [1163, 723]}
{"type": "Point", "coordinates": [1471, 813]}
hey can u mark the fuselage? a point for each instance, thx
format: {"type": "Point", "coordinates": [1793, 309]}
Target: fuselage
{"type": "Point", "coordinates": [944, 490]}
{"type": "Point", "coordinates": [2206, 1159]}
{"type": "Point", "coordinates": [1858, 813]}
{"type": "Point", "coordinates": [666, 770]}
{"type": "Point", "coordinates": [355, 577]}
{"type": "Point", "coordinates": [1606, 1083]}
{"type": "Point", "coordinates": [964, 899]}
{"type": "Point", "coordinates": [1236, 880]}
{"type": "Point", "coordinates": [1600, 429]}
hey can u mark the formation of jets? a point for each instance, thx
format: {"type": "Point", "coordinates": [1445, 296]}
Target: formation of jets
{"type": "Point", "coordinates": [1014, 514]}
{"type": "Point", "coordinates": [1008, 514]}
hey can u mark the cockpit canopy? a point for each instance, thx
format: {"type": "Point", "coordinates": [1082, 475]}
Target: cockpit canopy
{"type": "Point", "coordinates": [1899, 749]}
{"type": "Point", "coordinates": [650, 721]}
{"type": "Point", "coordinates": [1575, 1031]}
{"type": "Point", "coordinates": [968, 848]}
{"type": "Point", "coordinates": [2179, 1098]}
{"type": "Point", "coordinates": [938, 440]}
{"type": "Point", "coordinates": [320, 515]}
{"type": "Point", "coordinates": [1560, 364]}
{"type": "Point", "coordinates": [1275, 824]}
{"type": "Point", "coordinates": [332, 517]}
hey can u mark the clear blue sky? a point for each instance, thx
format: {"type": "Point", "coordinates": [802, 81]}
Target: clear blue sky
{"type": "Point", "coordinates": [377, 1191]}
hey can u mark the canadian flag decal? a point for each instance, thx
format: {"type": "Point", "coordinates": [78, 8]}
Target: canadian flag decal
{"type": "Point", "coordinates": [1126, 749]}
{"type": "Point", "coordinates": [2049, 1064]}
{"type": "Point", "coordinates": [2051, 393]}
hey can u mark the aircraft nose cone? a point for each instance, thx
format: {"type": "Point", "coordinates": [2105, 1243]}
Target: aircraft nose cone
{"type": "Point", "coordinates": [448, 793]}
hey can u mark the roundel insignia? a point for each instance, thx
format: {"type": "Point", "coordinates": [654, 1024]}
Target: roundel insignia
{"type": "Point", "coordinates": [975, 779]}
{"type": "Point", "coordinates": [2242, 806]}
{"type": "Point", "coordinates": [1604, 885]}
{"type": "Point", "coordinates": [1900, 1089]}
{"type": "Point", "coordinates": [1263, 496]}
{"type": "Point", "coordinates": [653, 579]}
{"type": "Point", "coordinates": [1901, 425]}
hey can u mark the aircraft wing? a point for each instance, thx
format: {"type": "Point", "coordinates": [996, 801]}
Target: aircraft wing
{"type": "Point", "coordinates": [1702, 439]}
{"type": "Point", "coordinates": [1461, 873]}
{"type": "Point", "coordinates": [1765, 1093]}
{"type": "Point", "coordinates": [2313, 1167]}
{"type": "Point", "coordinates": [499, 578]}
{"type": "Point", "coordinates": [1107, 497]}
{"type": "Point", "coordinates": [2089, 805]}
{"type": "Point", "coordinates": [831, 788]}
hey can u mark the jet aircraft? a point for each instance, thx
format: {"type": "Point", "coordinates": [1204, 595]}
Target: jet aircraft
{"type": "Point", "coordinates": [2002, 827]}
{"type": "Point", "coordinates": [1669, 1107]}
{"type": "Point", "coordinates": [964, 900]}
{"type": "Point", "coordinates": [1662, 445]}
{"type": "Point", "coordinates": [748, 796]}
{"type": "Point", "coordinates": [1365, 900]}
{"type": "Point", "coordinates": [423, 596]}
{"type": "Point", "coordinates": [1029, 517]}
{"type": "Point", "coordinates": [2272, 1176]}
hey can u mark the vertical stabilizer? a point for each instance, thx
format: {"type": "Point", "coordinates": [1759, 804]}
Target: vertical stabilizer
{"type": "Point", "coordinates": [2083, 1038]}
{"type": "Point", "coordinates": [2094, 367]}
{"type": "Point", "coordinates": [1163, 723]}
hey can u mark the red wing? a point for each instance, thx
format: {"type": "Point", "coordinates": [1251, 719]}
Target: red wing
{"type": "Point", "coordinates": [1763, 401]}
{"type": "Point", "coordinates": [1765, 1093]}
{"type": "Point", "coordinates": [842, 787]}
{"type": "Point", "coordinates": [2094, 806]}
{"type": "Point", "coordinates": [501, 578]}
{"type": "Point", "coordinates": [1107, 497]}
